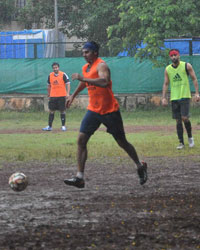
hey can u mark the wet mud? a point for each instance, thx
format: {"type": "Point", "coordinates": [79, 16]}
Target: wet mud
{"type": "Point", "coordinates": [113, 211]}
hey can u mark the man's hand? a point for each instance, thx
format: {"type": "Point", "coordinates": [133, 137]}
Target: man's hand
{"type": "Point", "coordinates": [77, 76]}
{"type": "Point", "coordinates": [197, 97]}
{"type": "Point", "coordinates": [164, 101]}
{"type": "Point", "coordinates": [69, 101]}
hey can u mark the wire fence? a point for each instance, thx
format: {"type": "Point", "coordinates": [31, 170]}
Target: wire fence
{"type": "Point", "coordinates": [43, 50]}
{"type": "Point", "coordinates": [39, 50]}
{"type": "Point", "coordinates": [35, 50]}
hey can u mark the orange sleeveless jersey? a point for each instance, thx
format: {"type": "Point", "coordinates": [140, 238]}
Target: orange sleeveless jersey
{"type": "Point", "coordinates": [58, 86]}
{"type": "Point", "coordinates": [101, 100]}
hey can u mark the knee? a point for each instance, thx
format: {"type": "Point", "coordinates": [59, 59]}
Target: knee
{"type": "Point", "coordinates": [185, 119]}
{"type": "Point", "coordinates": [179, 121]}
{"type": "Point", "coordinates": [82, 140]}
{"type": "Point", "coordinates": [122, 142]}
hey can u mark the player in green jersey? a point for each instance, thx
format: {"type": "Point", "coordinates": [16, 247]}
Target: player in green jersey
{"type": "Point", "coordinates": [176, 74]}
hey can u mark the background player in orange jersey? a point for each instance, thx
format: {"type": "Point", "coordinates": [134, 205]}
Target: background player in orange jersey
{"type": "Point", "coordinates": [57, 93]}
{"type": "Point", "coordinates": [102, 108]}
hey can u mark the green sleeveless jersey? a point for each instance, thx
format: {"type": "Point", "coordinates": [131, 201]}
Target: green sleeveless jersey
{"type": "Point", "coordinates": [179, 83]}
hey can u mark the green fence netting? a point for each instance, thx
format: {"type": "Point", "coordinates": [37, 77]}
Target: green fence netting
{"type": "Point", "coordinates": [29, 76]}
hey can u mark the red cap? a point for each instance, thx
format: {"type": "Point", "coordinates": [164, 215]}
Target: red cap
{"type": "Point", "coordinates": [173, 52]}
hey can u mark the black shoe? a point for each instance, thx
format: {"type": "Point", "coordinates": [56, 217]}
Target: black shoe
{"type": "Point", "coordinates": [142, 173]}
{"type": "Point", "coordinates": [75, 181]}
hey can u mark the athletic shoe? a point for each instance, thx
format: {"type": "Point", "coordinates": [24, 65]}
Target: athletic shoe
{"type": "Point", "coordinates": [76, 182]}
{"type": "Point", "coordinates": [142, 173]}
{"type": "Point", "coordinates": [180, 146]}
{"type": "Point", "coordinates": [191, 142]}
{"type": "Point", "coordinates": [63, 128]}
{"type": "Point", "coordinates": [48, 128]}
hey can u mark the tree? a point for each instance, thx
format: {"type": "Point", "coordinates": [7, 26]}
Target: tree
{"type": "Point", "coordinates": [6, 10]}
{"type": "Point", "coordinates": [149, 22]}
{"type": "Point", "coordinates": [86, 19]}
{"type": "Point", "coordinates": [92, 21]}
{"type": "Point", "coordinates": [37, 12]}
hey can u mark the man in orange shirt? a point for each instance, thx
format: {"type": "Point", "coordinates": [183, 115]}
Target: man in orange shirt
{"type": "Point", "coordinates": [57, 93]}
{"type": "Point", "coordinates": [102, 108]}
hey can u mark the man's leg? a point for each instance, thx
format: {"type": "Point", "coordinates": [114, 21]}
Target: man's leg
{"type": "Point", "coordinates": [61, 103]}
{"type": "Point", "coordinates": [130, 150]}
{"type": "Point", "coordinates": [63, 120]}
{"type": "Point", "coordinates": [179, 129]}
{"type": "Point", "coordinates": [185, 108]}
{"type": "Point", "coordinates": [89, 125]}
{"type": "Point", "coordinates": [78, 181]}
{"type": "Point", "coordinates": [176, 114]}
{"type": "Point", "coordinates": [82, 152]}
{"type": "Point", "coordinates": [63, 117]}
{"type": "Point", "coordinates": [113, 122]}
{"type": "Point", "coordinates": [50, 121]}
{"type": "Point", "coordinates": [52, 107]}
{"type": "Point", "coordinates": [51, 118]}
{"type": "Point", "coordinates": [188, 128]}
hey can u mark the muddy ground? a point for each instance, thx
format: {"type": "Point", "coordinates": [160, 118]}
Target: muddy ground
{"type": "Point", "coordinates": [112, 212]}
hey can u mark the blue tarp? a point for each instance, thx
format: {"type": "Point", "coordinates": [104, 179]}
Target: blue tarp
{"type": "Point", "coordinates": [11, 47]}
{"type": "Point", "coordinates": [186, 46]}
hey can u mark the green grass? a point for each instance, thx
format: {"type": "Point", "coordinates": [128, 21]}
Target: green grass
{"type": "Point", "coordinates": [156, 116]}
{"type": "Point", "coordinates": [62, 146]}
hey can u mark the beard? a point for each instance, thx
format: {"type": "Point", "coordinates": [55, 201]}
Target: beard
{"type": "Point", "coordinates": [175, 60]}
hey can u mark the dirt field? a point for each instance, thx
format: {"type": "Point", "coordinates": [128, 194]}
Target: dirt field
{"type": "Point", "coordinates": [112, 212]}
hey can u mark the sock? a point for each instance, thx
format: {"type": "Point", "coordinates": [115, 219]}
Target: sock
{"type": "Point", "coordinates": [188, 128]}
{"type": "Point", "coordinates": [62, 117]}
{"type": "Point", "coordinates": [51, 118]}
{"type": "Point", "coordinates": [139, 165]}
{"type": "Point", "coordinates": [179, 128]}
{"type": "Point", "coordinates": [80, 175]}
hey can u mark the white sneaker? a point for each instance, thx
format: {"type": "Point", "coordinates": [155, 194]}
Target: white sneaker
{"type": "Point", "coordinates": [180, 146]}
{"type": "Point", "coordinates": [191, 142]}
{"type": "Point", "coordinates": [48, 128]}
{"type": "Point", "coordinates": [63, 128]}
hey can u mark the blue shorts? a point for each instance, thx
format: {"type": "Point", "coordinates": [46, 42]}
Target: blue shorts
{"type": "Point", "coordinates": [112, 121]}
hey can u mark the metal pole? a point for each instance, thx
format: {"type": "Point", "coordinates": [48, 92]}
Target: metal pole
{"type": "Point", "coordinates": [190, 48]}
{"type": "Point", "coordinates": [35, 50]}
{"type": "Point", "coordinates": [56, 25]}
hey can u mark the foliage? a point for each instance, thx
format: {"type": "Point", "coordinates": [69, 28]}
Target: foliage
{"type": "Point", "coordinates": [120, 24]}
{"type": "Point", "coordinates": [87, 20]}
{"type": "Point", "coordinates": [149, 23]}
{"type": "Point", "coordinates": [37, 12]}
{"type": "Point", "coordinates": [97, 15]}
{"type": "Point", "coordinates": [6, 10]}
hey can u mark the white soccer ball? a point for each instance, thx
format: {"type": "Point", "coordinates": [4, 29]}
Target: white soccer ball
{"type": "Point", "coordinates": [18, 182]}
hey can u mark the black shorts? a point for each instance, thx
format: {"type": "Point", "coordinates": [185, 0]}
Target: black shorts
{"type": "Point", "coordinates": [180, 108]}
{"type": "Point", "coordinates": [112, 121]}
{"type": "Point", "coordinates": [57, 103]}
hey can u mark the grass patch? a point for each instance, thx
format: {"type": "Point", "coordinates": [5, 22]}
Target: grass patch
{"type": "Point", "coordinates": [62, 146]}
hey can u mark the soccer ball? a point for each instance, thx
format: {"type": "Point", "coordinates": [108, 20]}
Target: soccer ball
{"type": "Point", "coordinates": [18, 182]}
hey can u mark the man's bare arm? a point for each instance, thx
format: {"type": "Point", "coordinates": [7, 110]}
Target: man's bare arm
{"type": "Point", "coordinates": [70, 99]}
{"type": "Point", "coordinates": [165, 88]}
{"type": "Point", "coordinates": [194, 79]}
{"type": "Point", "coordinates": [102, 81]}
